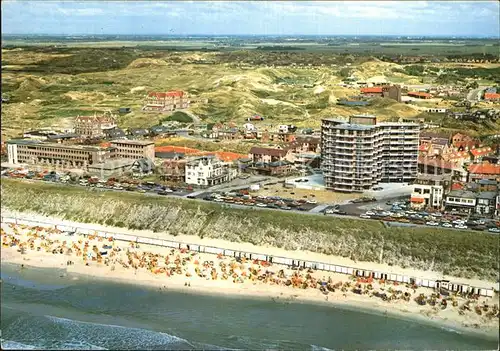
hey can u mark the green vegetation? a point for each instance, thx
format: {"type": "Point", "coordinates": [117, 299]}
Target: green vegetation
{"type": "Point", "coordinates": [458, 253]}
{"type": "Point", "coordinates": [178, 116]}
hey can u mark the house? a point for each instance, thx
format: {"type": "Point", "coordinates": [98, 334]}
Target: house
{"type": "Point", "coordinates": [143, 166]}
{"type": "Point", "coordinates": [63, 138]}
{"type": "Point", "coordinates": [436, 110]}
{"type": "Point", "coordinates": [479, 153]}
{"type": "Point", "coordinates": [124, 110]}
{"type": "Point", "coordinates": [279, 137]}
{"type": "Point", "coordinates": [353, 103]}
{"type": "Point", "coordinates": [487, 185]}
{"type": "Point", "coordinates": [166, 101]}
{"type": "Point", "coordinates": [372, 92]}
{"type": "Point", "coordinates": [138, 132]}
{"type": "Point", "coordinates": [255, 118]}
{"type": "Point", "coordinates": [460, 201]}
{"type": "Point", "coordinates": [484, 171]}
{"type": "Point", "coordinates": [207, 171]}
{"type": "Point", "coordinates": [277, 168]}
{"type": "Point", "coordinates": [303, 144]}
{"type": "Point", "coordinates": [287, 128]}
{"type": "Point", "coordinates": [486, 202]}
{"type": "Point", "coordinates": [439, 166]}
{"type": "Point", "coordinates": [268, 155]}
{"type": "Point", "coordinates": [161, 132]}
{"type": "Point", "coordinates": [114, 133]}
{"type": "Point", "coordinates": [463, 142]}
{"type": "Point", "coordinates": [173, 169]}
{"type": "Point", "coordinates": [419, 95]}
{"type": "Point", "coordinates": [428, 191]}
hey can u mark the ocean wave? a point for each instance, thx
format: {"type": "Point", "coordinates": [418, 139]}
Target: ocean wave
{"type": "Point", "coordinates": [116, 336]}
{"type": "Point", "coordinates": [14, 345]}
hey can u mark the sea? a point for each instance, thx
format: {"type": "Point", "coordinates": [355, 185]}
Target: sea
{"type": "Point", "coordinates": [49, 309]}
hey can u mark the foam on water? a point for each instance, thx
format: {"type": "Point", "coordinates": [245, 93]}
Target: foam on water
{"type": "Point", "coordinates": [115, 336]}
{"type": "Point", "coordinates": [13, 345]}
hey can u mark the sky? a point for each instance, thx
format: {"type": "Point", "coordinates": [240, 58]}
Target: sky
{"type": "Point", "coordinates": [408, 18]}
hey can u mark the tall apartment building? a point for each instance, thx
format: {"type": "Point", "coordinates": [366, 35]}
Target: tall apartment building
{"type": "Point", "coordinates": [169, 101]}
{"type": "Point", "coordinates": [94, 126]}
{"type": "Point", "coordinates": [358, 154]}
{"type": "Point", "coordinates": [35, 152]}
{"type": "Point", "coordinates": [133, 149]}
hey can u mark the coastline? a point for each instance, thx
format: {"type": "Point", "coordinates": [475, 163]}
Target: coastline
{"type": "Point", "coordinates": [448, 319]}
{"type": "Point", "coordinates": [263, 249]}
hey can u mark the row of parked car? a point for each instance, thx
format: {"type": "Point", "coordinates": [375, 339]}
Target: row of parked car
{"type": "Point", "coordinates": [95, 182]}
{"type": "Point", "coordinates": [399, 212]}
{"type": "Point", "coordinates": [244, 198]}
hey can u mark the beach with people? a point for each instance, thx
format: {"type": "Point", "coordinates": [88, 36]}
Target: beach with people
{"type": "Point", "coordinates": [194, 272]}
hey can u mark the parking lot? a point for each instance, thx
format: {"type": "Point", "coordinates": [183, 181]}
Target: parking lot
{"type": "Point", "coordinates": [398, 211]}
{"type": "Point", "coordinates": [115, 184]}
{"type": "Point", "coordinates": [244, 198]}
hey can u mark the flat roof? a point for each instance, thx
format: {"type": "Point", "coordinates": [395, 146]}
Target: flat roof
{"type": "Point", "coordinates": [436, 177]}
{"type": "Point", "coordinates": [112, 164]}
{"type": "Point", "coordinates": [133, 142]}
{"type": "Point", "coordinates": [56, 145]}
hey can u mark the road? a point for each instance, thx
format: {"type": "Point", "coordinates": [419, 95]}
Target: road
{"type": "Point", "coordinates": [475, 94]}
{"type": "Point", "coordinates": [316, 210]}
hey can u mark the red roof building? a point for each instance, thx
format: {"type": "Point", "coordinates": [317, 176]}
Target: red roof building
{"type": "Point", "coordinates": [166, 101]}
{"type": "Point", "coordinates": [484, 171]}
{"type": "Point", "coordinates": [492, 96]}
{"type": "Point", "coordinates": [373, 90]}
{"type": "Point", "coordinates": [419, 94]}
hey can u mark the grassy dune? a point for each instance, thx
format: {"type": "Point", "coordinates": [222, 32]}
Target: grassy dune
{"type": "Point", "coordinates": [49, 87]}
{"type": "Point", "coordinates": [465, 254]}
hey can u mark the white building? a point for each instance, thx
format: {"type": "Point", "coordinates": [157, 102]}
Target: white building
{"type": "Point", "coordinates": [208, 171]}
{"type": "Point", "coordinates": [428, 191]}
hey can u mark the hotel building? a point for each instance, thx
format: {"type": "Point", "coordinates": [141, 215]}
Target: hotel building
{"type": "Point", "coordinates": [133, 149]}
{"type": "Point", "coordinates": [22, 151]}
{"type": "Point", "coordinates": [360, 153]}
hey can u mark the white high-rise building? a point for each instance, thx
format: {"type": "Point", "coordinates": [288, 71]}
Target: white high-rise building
{"type": "Point", "coordinates": [358, 154]}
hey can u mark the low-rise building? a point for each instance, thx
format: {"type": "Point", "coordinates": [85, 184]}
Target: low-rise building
{"type": "Point", "coordinates": [486, 202]}
{"type": "Point", "coordinates": [461, 201]}
{"type": "Point", "coordinates": [419, 95]}
{"type": "Point", "coordinates": [94, 126]}
{"type": "Point", "coordinates": [428, 191]}
{"type": "Point", "coordinates": [484, 171]}
{"type": "Point", "coordinates": [166, 101]}
{"type": "Point", "coordinates": [268, 155]}
{"type": "Point", "coordinates": [207, 171]}
{"type": "Point", "coordinates": [134, 149]}
{"type": "Point", "coordinates": [304, 144]}
{"type": "Point", "coordinates": [277, 168]}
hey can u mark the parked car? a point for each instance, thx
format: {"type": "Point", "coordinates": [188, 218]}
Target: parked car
{"type": "Point", "coordinates": [447, 225]}
{"type": "Point", "coordinates": [494, 230]}
{"type": "Point", "coordinates": [460, 226]}
{"type": "Point", "coordinates": [370, 213]}
{"type": "Point", "coordinates": [364, 216]}
{"type": "Point", "coordinates": [432, 223]}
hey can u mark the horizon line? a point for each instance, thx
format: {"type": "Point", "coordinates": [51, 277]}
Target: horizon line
{"type": "Point", "coordinates": [264, 35]}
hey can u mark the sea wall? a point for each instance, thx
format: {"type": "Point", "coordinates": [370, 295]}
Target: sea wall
{"type": "Point", "coordinates": [458, 253]}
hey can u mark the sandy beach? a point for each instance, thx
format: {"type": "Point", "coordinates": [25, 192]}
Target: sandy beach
{"type": "Point", "coordinates": [165, 268]}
